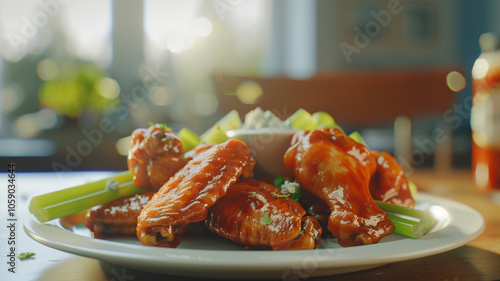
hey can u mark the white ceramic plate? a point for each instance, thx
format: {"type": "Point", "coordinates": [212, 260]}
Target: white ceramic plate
{"type": "Point", "coordinates": [210, 256]}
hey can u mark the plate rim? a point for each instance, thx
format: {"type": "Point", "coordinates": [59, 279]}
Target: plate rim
{"type": "Point", "coordinates": [219, 263]}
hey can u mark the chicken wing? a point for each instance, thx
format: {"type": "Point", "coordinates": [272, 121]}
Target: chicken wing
{"type": "Point", "coordinates": [197, 150]}
{"type": "Point", "coordinates": [154, 156]}
{"type": "Point", "coordinates": [337, 170]}
{"type": "Point", "coordinates": [186, 197]}
{"type": "Point", "coordinates": [389, 183]}
{"type": "Point", "coordinates": [118, 217]}
{"type": "Point", "coordinates": [252, 214]}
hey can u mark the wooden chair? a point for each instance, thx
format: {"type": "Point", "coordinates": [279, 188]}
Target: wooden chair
{"type": "Point", "coordinates": [360, 99]}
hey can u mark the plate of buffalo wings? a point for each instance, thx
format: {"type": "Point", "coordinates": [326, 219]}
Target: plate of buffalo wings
{"type": "Point", "coordinates": [205, 213]}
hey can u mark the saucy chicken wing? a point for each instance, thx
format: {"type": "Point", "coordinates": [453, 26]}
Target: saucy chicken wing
{"type": "Point", "coordinates": [337, 170]}
{"type": "Point", "coordinates": [389, 183]}
{"type": "Point", "coordinates": [252, 214]}
{"type": "Point", "coordinates": [118, 217]}
{"type": "Point", "coordinates": [197, 150]}
{"type": "Point", "coordinates": [186, 197]}
{"type": "Point", "coordinates": [154, 156]}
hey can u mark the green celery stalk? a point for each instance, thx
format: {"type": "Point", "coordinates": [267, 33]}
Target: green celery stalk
{"type": "Point", "coordinates": [214, 135]}
{"type": "Point", "coordinates": [356, 136]}
{"type": "Point", "coordinates": [230, 121]}
{"type": "Point", "coordinates": [71, 200]}
{"type": "Point", "coordinates": [408, 222]}
{"type": "Point", "coordinates": [301, 120]}
{"type": "Point", "coordinates": [404, 227]}
{"type": "Point", "coordinates": [323, 119]}
{"type": "Point", "coordinates": [80, 190]}
{"type": "Point", "coordinates": [217, 133]}
{"type": "Point", "coordinates": [188, 139]}
{"type": "Point", "coordinates": [413, 188]}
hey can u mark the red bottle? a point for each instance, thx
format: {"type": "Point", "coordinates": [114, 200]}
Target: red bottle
{"type": "Point", "coordinates": [485, 116]}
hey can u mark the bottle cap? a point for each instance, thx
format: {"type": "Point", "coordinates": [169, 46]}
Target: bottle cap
{"type": "Point", "coordinates": [488, 42]}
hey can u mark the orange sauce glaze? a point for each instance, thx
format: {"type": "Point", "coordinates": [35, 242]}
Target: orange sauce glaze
{"type": "Point", "coordinates": [154, 156]}
{"type": "Point", "coordinates": [389, 183]}
{"type": "Point", "coordinates": [337, 170]}
{"type": "Point", "coordinates": [251, 214]}
{"type": "Point", "coordinates": [118, 217]}
{"type": "Point", "coordinates": [186, 197]}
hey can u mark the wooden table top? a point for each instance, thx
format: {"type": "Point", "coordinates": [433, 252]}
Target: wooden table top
{"type": "Point", "coordinates": [478, 260]}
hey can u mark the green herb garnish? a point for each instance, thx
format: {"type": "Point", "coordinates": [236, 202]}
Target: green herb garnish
{"type": "Point", "coordinates": [266, 219]}
{"type": "Point", "coordinates": [297, 195]}
{"type": "Point", "coordinates": [25, 256]}
{"type": "Point", "coordinates": [280, 195]}
{"type": "Point", "coordinates": [279, 181]}
{"type": "Point", "coordinates": [164, 127]}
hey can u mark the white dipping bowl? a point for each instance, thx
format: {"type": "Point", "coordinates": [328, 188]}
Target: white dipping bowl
{"type": "Point", "coordinates": [267, 146]}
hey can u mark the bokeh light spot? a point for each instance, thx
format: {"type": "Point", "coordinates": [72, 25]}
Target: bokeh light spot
{"type": "Point", "coordinates": [202, 27]}
{"type": "Point", "coordinates": [47, 118]}
{"type": "Point", "coordinates": [160, 96]}
{"type": "Point", "coordinates": [47, 69]}
{"type": "Point", "coordinates": [455, 81]}
{"type": "Point", "coordinates": [13, 97]}
{"type": "Point", "coordinates": [122, 145]}
{"type": "Point", "coordinates": [108, 88]}
{"type": "Point", "coordinates": [480, 68]}
{"type": "Point", "coordinates": [27, 126]}
{"type": "Point", "coordinates": [176, 43]}
{"type": "Point", "coordinates": [249, 91]}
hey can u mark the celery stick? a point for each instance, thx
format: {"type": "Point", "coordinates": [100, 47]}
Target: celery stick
{"type": "Point", "coordinates": [402, 226]}
{"type": "Point", "coordinates": [413, 188]}
{"type": "Point", "coordinates": [357, 137]}
{"type": "Point", "coordinates": [409, 222]}
{"type": "Point", "coordinates": [77, 191]}
{"type": "Point", "coordinates": [71, 200]}
{"type": "Point", "coordinates": [216, 133]}
{"type": "Point", "coordinates": [301, 120]}
{"type": "Point", "coordinates": [323, 119]}
{"type": "Point", "coordinates": [230, 121]}
{"type": "Point", "coordinates": [188, 139]}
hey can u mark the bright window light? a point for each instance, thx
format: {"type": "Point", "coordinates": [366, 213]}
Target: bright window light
{"type": "Point", "coordinates": [18, 31]}
{"type": "Point", "coordinates": [172, 25]}
{"type": "Point", "coordinates": [88, 25]}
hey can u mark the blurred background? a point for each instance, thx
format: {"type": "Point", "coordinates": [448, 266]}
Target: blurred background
{"type": "Point", "coordinates": [77, 77]}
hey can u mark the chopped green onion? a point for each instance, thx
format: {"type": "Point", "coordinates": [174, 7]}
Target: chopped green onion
{"type": "Point", "coordinates": [266, 219]}
{"type": "Point", "coordinates": [71, 200]}
{"type": "Point", "coordinates": [188, 139]}
{"type": "Point", "coordinates": [279, 181]}
{"type": "Point", "coordinates": [301, 120]}
{"type": "Point", "coordinates": [408, 222]}
{"type": "Point", "coordinates": [164, 127]}
{"type": "Point", "coordinates": [25, 256]}
{"type": "Point", "coordinates": [280, 195]}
